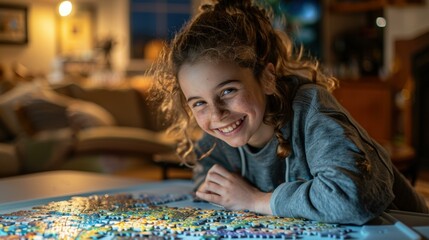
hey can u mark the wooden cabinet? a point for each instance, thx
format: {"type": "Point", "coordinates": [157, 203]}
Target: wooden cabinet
{"type": "Point", "coordinates": [371, 105]}
{"type": "Point", "coordinates": [354, 37]}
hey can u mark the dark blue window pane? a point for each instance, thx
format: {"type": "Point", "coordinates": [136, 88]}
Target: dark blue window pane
{"type": "Point", "coordinates": [155, 20]}
{"type": "Point", "coordinates": [145, 1]}
{"type": "Point", "coordinates": [175, 22]}
{"type": "Point", "coordinates": [179, 1]}
{"type": "Point", "coordinates": [142, 23]}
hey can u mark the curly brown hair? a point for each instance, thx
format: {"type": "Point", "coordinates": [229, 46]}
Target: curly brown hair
{"type": "Point", "coordinates": [240, 32]}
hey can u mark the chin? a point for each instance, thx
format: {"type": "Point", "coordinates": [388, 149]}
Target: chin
{"type": "Point", "coordinates": [236, 144]}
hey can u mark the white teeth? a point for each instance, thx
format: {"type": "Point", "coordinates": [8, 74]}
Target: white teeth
{"type": "Point", "coordinates": [232, 126]}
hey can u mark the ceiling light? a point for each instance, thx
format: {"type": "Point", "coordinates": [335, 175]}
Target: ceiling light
{"type": "Point", "coordinates": [65, 8]}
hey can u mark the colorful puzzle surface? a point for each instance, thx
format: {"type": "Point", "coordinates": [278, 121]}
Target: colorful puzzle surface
{"type": "Point", "coordinates": [131, 216]}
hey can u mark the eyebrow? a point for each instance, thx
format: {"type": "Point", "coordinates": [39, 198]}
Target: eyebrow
{"type": "Point", "coordinates": [217, 87]}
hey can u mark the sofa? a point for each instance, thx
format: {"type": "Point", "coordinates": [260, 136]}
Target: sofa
{"type": "Point", "coordinates": [71, 126]}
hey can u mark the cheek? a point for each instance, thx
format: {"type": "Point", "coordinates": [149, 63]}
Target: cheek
{"type": "Point", "coordinates": [247, 103]}
{"type": "Point", "coordinates": [253, 106]}
{"type": "Point", "coordinates": [201, 118]}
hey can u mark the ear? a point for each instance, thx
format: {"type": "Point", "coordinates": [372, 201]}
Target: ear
{"type": "Point", "coordinates": [268, 80]}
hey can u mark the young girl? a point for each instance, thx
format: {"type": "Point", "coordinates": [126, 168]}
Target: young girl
{"type": "Point", "coordinates": [276, 141]}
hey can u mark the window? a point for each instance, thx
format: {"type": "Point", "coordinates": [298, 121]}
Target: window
{"type": "Point", "coordinates": [301, 20]}
{"type": "Point", "coordinates": [154, 21]}
{"type": "Point", "coordinates": [304, 23]}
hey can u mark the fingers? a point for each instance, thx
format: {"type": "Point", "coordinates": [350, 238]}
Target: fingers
{"type": "Point", "coordinates": [214, 180]}
{"type": "Point", "coordinates": [219, 175]}
{"type": "Point", "coordinates": [206, 193]}
{"type": "Point", "coordinates": [213, 187]}
{"type": "Point", "coordinates": [218, 185]}
{"type": "Point", "coordinates": [218, 169]}
{"type": "Point", "coordinates": [210, 197]}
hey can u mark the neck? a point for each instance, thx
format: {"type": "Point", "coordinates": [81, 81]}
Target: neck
{"type": "Point", "coordinates": [262, 137]}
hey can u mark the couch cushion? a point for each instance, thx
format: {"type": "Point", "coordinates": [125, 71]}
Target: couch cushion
{"type": "Point", "coordinates": [10, 100]}
{"type": "Point", "coordinates": [82, 114]}
{"type": "Point", "coordinates": [46, 150]}
{"type": "Point", "coordinates": [134, 141]}
{"type": "Point", "coordinates": [5, 85]}
{"type": "Point", "coordinates": [69, 89]}
{"type": "Point", "coordinates": [9, 164]}
{"type": "Point", "coordinates": [5, 134]}
{"type": "Point", "coordinates": [41, 114]}
{"type": "Point", "coordinates": [125, 104]}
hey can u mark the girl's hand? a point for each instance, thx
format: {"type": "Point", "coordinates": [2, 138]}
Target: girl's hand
{"type": "Point", "coordinates": [233, 192]}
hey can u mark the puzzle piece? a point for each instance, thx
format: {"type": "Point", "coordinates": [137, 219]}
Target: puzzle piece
{"type": "Point", "coordinates": [146, 216]}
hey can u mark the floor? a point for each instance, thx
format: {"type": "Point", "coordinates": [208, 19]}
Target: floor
{"type": "Point", "coordinates": [150, 171]}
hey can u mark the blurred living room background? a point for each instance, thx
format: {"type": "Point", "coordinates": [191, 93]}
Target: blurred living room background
{"type": "Point", "coordinates": [73, 82]}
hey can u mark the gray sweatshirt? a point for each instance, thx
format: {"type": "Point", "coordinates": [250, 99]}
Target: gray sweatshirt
{"type": "Point", "coordinates": [335, 173]}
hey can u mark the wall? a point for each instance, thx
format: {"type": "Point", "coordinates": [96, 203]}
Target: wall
{"type": "Point", "coordinates": [404, 22]}
{"type": "Point", "coordinates": [37, 55]}
{"type": "Point", "coordinates": [112, 20]}
{"type": "Point", "coordinates": [43, 45]}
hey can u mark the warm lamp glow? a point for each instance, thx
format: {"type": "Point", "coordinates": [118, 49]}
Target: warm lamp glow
{"type": "Point", "coordinates": [65, 8]}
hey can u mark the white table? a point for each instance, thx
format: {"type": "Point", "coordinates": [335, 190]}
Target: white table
{"type": "Point", "coordinates": [58, 183]}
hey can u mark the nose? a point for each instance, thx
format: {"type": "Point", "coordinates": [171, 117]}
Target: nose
{"type": "Point", "coordinates": [218, 111]}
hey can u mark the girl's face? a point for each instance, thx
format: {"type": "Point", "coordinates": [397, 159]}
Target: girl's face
{"type": "Point", "coordinates": [227, 101]}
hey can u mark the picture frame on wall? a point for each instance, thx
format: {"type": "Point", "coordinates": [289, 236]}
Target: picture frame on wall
{"type": "Point", "coordinates": [13, 24]}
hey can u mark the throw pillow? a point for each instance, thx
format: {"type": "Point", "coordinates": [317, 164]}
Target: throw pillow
{"type": "Point", "coordinates": [83, 114]}
{"type": "Point", "coordinates": [10, 100]}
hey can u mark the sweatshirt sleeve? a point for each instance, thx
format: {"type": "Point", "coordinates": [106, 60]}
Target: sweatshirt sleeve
{"type": "Point", "coordinates": [227, 157]}
{"type": "Point", "coordinates": [351, 176]}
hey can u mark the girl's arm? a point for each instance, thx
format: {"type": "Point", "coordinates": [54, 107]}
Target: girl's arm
{"type": "Point", "coordinates": [350, 178]}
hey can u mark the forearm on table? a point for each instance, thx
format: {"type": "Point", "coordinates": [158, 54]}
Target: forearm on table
{"type": "Point", "coordinates": [261, 203]}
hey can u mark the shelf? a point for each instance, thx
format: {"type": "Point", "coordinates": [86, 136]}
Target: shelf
{"type": "Point", "coordinates": [350, 6]}
{"type": "Point", "coordinates": [356, 7]}
{"type": "Point", "coordinates": [401, 3]}
{"type": "Point", "coordinates": [363, 79]}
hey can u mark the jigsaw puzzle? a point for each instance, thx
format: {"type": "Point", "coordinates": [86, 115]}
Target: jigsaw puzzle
{"type": "Point", "coordinates": [128, 216]}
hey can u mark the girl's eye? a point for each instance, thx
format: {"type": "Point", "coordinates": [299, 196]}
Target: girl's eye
{"type": "Point", "coordinates": [198, 104]}
{"type": "Point", "coordinates": [227, 91]}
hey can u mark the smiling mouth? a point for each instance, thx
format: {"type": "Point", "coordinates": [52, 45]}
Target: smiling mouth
{"type": "Point", "coordinates": [231, 127]}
